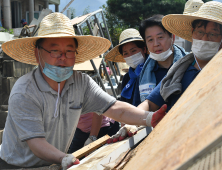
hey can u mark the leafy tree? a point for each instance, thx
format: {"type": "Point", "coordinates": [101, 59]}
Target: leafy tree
{"type": "Point", "coordinates": [114, 24]}
{"type": "Point", "coordinates": [73, 12]}
{"type": "Point", "coordinates": [86, 10]}
{"type": "Point", "coordinates": [132, 12]}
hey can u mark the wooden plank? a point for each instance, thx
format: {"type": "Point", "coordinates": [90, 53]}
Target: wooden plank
{"type": "Point", "coordinates": [91, 147]}
{"type": "Point", "coordinates": [87, 66]}
{"type": "Point", "coordinates": [110, 154]}
{"type": "Point", "coordinates": [194, 123]}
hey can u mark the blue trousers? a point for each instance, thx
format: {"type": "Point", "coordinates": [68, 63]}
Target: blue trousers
{"type": "Point", "coordinates": [80, 137]}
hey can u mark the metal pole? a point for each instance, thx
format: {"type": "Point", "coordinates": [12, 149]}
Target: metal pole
{"type": "Point", "coordinates": [113, 70]}
{"type": "Point", "coordinates": [80, 28]}
{"type": "Point", "coordinates": [109, 38]}
{"type": "Point", "coordinates": [69, 13]}
{"type": "Point", "coordinates": [113, 90]}
{"type": "Point", "coordinates": [97, 73]}
{"type": "Point", "coordinates": [90, 29]}
{"type": "Point", "coordinates": [46, 3]}
{"type": "Point", "coordinates": [117, 66]}
{"type": "Point", "coordinates": [31, 10]}
{"type": "Point", "coordinates": [100, 29]}
{"type": "Point", "coordinates": [106, 28]}
{"type": "Point", "coordinates": [56, 8]}
{"type": "Point", "coordinates": [7, 14]}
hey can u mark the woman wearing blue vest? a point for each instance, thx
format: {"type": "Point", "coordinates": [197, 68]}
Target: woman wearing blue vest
{"type": "Point", "coordinates": [132, 50]}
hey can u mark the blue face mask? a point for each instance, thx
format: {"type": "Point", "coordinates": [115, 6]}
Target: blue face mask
{"type": "Point", "coordinates": [57, 74]}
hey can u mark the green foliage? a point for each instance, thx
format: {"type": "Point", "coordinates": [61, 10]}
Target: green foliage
{"type": "Point", "coordinates": [114, 24]}
{"type": "Point", "coordinates": [86, 10]}
{"type": "Point", "coordinates": [132, 12]}
{"type": "Point", "coordinates": [73, 12]}
{"type": "Point", "coordinates": [10, 31]}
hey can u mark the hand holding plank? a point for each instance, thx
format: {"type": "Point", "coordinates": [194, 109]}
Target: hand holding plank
{"type": "Point", "coordinates": [153, 118]}
{"type": "Point", "coordinates": [68, 161]}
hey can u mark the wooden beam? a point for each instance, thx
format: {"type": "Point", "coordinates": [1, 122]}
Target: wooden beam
{"type": "Point", "coordinates": [110, 155]}
{"type": "Point", "coordinates": [91, 147]}
{"type": "Point", "coordinates": [193, 124]}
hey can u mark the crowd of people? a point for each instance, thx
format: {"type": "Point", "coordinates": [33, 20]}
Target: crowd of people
{"type": "Point", "coordinates": [54, 111]}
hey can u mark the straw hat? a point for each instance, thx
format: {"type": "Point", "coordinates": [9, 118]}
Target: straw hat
{"type": "Point", "coordinates": [192, 6]}
{"type": "Point", "coordinates": [56, 25]}
{"type": "Point", "coordinates": [181, 24]}
{"type": "Point", "coordinates": [126, 36]}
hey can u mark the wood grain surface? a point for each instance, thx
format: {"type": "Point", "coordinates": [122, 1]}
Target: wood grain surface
{"type": "Point", "coordinates": [193, 123]}
{"type": "Point", "coordinates": [91, 147]}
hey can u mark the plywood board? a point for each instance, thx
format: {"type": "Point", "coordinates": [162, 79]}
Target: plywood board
{"type": "Point", "coordinates": [109, 153]}
{"type": "Point", "coordinates": [87, 66]}
{"type": "Point", "coordinates": [91, 147]}
{"type": "Point", "coordinates": [194, 123]}
{"type": "Point", "coordinates": [78, 20]}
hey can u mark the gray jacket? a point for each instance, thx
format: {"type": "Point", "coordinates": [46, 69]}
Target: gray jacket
{"type": "Point", "coordinates": [171, 84]}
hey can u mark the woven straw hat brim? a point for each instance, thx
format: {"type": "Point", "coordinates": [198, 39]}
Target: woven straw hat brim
{"type": "Point", "coordinates": [114, 54]}
{"type": "Point", "coordinates": [181, 24]}
{"type": "Point", "coordinates": [23, 49]}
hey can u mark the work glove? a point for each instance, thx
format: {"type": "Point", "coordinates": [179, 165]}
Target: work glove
{"type": "Point", "coordinates": [68, 161]}
{"type": "Point", "coordinates": [158, 115]}
{"type": "Point", "coordinates": [90, 140]}
{"type": "Point", "coordinates": [152, 119]}
{"type": "Point", "coordinates": [126, 130]}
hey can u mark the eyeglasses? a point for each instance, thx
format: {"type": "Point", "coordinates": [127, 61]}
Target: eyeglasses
{"type": "Point", "coordinates": [211, 36]}
{"type": "Point", "coordinates": [58, 54]}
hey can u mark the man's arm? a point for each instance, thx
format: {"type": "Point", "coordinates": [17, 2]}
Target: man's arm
{"type": "Point", "coordinates": [129, 114]}
{"type": "Point", "coordinates": [96, 124]}
{"type": "Point", "coordinates": [121, 111]}
{"type": "Point", "coordinates": [148, 106]}
{"type": "Point", "coordinates": [43, 150]}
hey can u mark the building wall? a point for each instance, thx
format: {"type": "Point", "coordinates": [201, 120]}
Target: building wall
{"type": "Point", "coordinates": [37, 3]}
{"type": "Point", "coordinates": [25, 6]}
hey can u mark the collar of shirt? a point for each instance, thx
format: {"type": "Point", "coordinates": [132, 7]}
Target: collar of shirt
{"type": "Point", "coordinates": [191, 67]}
{"type": "Point", "coordinates": [44, 86]}
{"type": "Point", "coordinates": [156, 67]}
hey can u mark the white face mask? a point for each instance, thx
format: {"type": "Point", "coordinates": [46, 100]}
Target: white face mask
{"type": "Point", "coordinates": [205, 50]}
{"type": "Point", "coordinates": [134, 60]}
{"type": "Point", "coordinates": [162, 56]}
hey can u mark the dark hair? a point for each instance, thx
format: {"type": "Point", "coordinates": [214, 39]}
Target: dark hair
{"type": "Point", "coordinates": [139, 44]}
{"type": "Point", "coordinates": [204, 23]}
{"type": "Point", "coordinates": [155, 20]}
{"type": "Point", "coordinates": [40, 41]}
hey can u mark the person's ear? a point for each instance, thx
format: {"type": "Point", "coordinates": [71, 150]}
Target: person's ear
{"type": "Point", "coordinates": [36, 55]}
{"type": "Point", "coordinates": [144, 50]}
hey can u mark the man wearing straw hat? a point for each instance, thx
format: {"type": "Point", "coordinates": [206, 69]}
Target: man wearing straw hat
{"type": "Point", "coordinates": [45, 104]}
{"type": "Point", "coordinates": [204, 29]}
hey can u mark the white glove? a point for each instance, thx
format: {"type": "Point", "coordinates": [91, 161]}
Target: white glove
{"type": "Point", "coordinates": [68, 161]}
{"type": "Point", "coordinates": [149, 118]}
{"type": "Point", "coordinates": [129, 130]}
{"type": "Point", "coordinates": [90, 140]}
